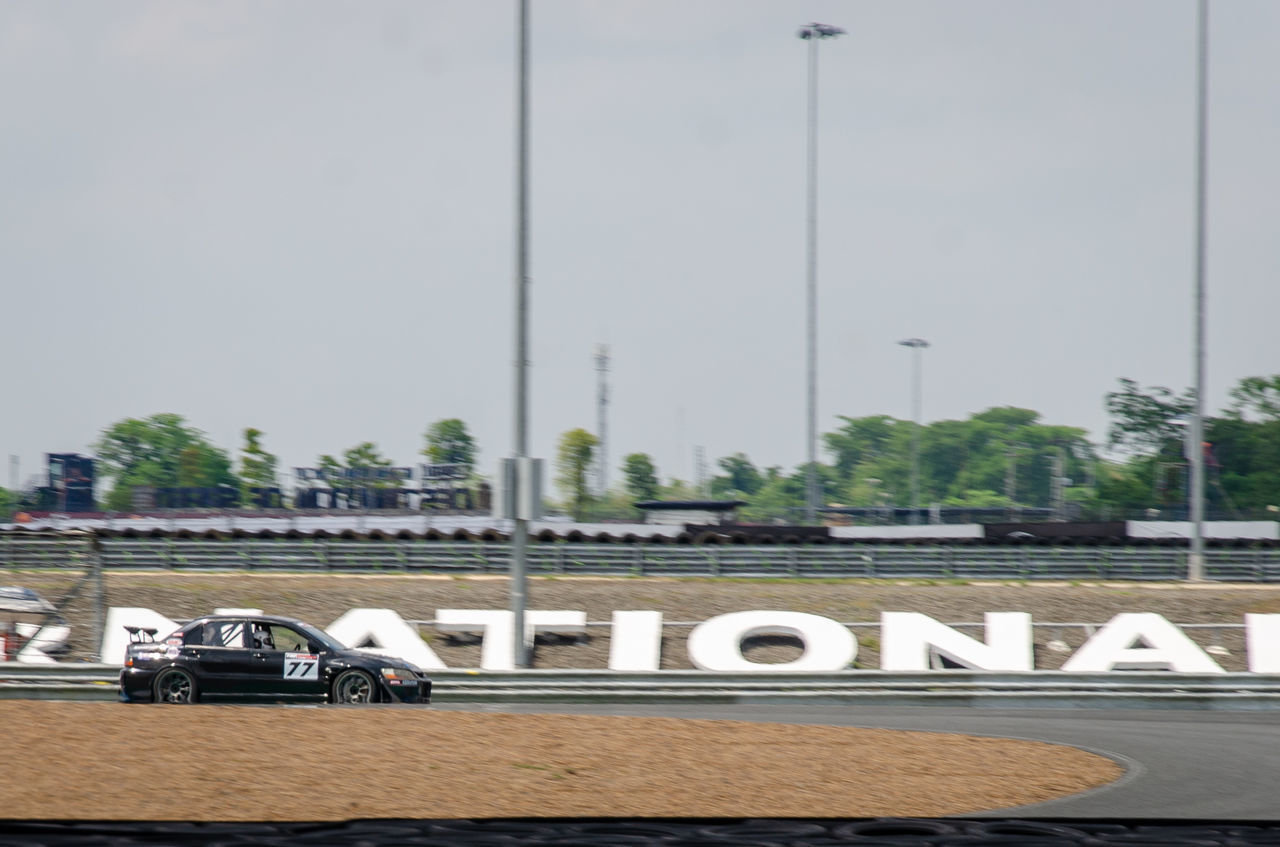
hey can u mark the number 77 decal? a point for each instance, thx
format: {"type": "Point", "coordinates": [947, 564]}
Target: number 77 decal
{"type": "Point", "coordinates": [301, 666]}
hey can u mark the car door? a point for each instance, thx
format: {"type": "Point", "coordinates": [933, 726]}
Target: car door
{"type": "Point", "coordinates": [222, 659]}
{"type": "Point", "coordinates": [285, 665]}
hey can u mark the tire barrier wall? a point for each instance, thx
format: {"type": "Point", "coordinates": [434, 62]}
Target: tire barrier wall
{"type": "Point", "coordinates": [874, 561]}
{"type": "Point", "coordinates": [1050, 689]}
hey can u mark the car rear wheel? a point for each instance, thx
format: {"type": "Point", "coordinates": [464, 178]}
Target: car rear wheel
{"type": "Point", "coordinates": [175, 685]}
{"type": "Point", "coordinates": [354, 687]}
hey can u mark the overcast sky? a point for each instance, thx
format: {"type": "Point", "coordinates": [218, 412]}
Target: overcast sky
{"type": "Point", "coordinates": [299, 216]}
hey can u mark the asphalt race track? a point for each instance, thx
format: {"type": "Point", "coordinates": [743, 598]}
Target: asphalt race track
{"type": "Point", "coordinates": [1183, 765]}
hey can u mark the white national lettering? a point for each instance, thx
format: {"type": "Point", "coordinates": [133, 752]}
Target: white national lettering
{"type": "Point", "coordinates": [716, 645]}
{"type": "Point", "coordinates": [1140, 641]}
{"type": "Point", "coordinates": [115, 640]}
{"type": "Point", "coordinates": [909, 639]}
{"type": "Point", "coordinates": [1262, 641]}
{"type": "Point", "coordinates": [496, 629]}
{"type": "Point", "coordinates": [635, 641]}
{"type": "Point", "coordinates": [384, 631]}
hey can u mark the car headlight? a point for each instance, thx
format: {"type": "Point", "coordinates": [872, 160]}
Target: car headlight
{"type": "Point", "coordinates": [400, 676]}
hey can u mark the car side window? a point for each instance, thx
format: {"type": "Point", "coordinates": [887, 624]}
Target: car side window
{"type": "Point", "coordinates": [224, 634]}
{"type": "Point", "coordinates": [195, 635]}
{"type": "Point", "coordinates": [288, 639]}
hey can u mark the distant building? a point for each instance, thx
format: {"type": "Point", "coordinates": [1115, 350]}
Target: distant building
{"type": "Point", "coordinates": [70, 486]}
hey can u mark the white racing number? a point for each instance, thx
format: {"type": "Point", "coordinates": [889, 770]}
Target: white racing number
{"type": "Point", "coordinates": [301, 666]}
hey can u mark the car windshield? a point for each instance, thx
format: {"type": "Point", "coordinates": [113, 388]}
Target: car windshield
{"type": "Point", "coordinates": [322, 637]}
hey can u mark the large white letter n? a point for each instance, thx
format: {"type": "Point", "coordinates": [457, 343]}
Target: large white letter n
{"type": "Point", "coordinates": [908, 638]}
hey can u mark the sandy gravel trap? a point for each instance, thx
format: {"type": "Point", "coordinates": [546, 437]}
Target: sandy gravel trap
{"type": "Point", "coordinates": [87, 761]}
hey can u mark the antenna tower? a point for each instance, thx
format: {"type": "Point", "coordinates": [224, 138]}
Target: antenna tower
{"type": "Point", "coordinates": [700, 476]}
{"type": "Point", "coordinates": [602, 407]}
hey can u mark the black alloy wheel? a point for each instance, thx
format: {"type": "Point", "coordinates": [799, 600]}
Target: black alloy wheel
{"type": "Point", "coordinates": [175, 685]}
{"type": "Point", "coordinates": [354, 686]}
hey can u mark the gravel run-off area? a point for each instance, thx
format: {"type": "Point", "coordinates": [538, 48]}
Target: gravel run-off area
{"type": "Point", "coordinates": [94, 761]}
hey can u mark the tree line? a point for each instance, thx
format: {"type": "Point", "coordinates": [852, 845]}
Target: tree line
{"type": "Point", "coordinates": [1000, 458]}
{"type": "Point", "coordinates": [164, 451]}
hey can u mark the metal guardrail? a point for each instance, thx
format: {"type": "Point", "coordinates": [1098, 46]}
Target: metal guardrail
{"type": "Point", "coordinates": [19, 681]}
{"type": "Point", "coordinates": [1229, 691]}
{"type": "Point", "coordinates": [888, 561]}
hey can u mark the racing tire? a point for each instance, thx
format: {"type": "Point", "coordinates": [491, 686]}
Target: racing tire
{"type": "Point", "coordinates": [353, 686]}
{"type": "Point", "coordinates": [174, 685]}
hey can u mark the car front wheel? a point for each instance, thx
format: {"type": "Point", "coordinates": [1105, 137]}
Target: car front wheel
{"type": "Point", "coordinates": [354, 687]}
{"type": "Point", "coordinates": [175, 685]}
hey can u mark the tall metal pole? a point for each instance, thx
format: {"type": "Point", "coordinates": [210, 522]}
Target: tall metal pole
{"type": "Point", "coordinates": [520, 531]}
{"type": "Point", "coordinates": [917, 346]}
{"type": "Point", "coordinates": [1195, 561]}
{"type": "Point", "coordinates": [813, 33]}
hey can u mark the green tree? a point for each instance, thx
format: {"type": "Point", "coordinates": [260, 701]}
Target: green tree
{"type": "Point", "coordinates": [365, 458]}
{"type": "Point", "coordinates": [1242, 465]}
{"type": "Point", "coordinates": [864, 490]}
{"type": "Point", "coordinates": [961, 462]}
{"type": "Point", "coordinates": [448, 442]}
{"type": "Point", "coordinates": [330, 467]}
{"type": "Point", "coordinates": [616, 505]}
{"type": "Point", "coordinates": [257, 466]}
{"type": "Point", "coordinates": [573, 462]}
{"type": "Point", "coordinates": [779, 500]}
{"type": "Point", "coordinates": [357, 470]}
{"type": "Point", "coordinates": [973, 499]}
{"type": "Point", "coordinates": [1243, 451]}
{"type": "Point", "coordinates": [1146, 421]}
{"type": "Point", "coordinates": [641, 477]}
{"type": "Point", "coordinates": [160, 451]}
{"type": "Point", "coordinates": [1256, 397]}
{"type": "Point", "coordinates": [366, 455]}
{"type": "Point", "coordinates": [8, 503]}
{"type": "Point", "coordinates": [1127, 488]}
{"type": "Point", "coordinates": [859, 441]}
{"type": "Point", "coordinates": [678, 489]}
{"type": "Point", "coordinates": [741, 478]}
{"type": "Point", "coordinates": [1008, 417]}
{"type": "Point", "coordinates": [189, 467]}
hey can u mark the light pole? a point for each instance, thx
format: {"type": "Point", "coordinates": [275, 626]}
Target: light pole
{"type": "Point", "coordinates": [917, 346]}
{"type": "Point", "coordinates": [813, 33]}
{"type": "Point", "coordinates": [520, 529]}
{"type": "Point", "coordinates": [1195, 561]}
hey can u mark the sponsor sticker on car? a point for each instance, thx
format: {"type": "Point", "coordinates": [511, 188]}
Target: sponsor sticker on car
{"type": "Point", "coordinates": [301, 666]}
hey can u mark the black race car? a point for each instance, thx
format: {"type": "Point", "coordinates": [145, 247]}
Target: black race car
{"type": "Point", "coordinates": [261, 658]}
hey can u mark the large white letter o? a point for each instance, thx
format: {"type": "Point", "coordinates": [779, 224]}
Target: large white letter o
{"type": "Point", "coordinates": [716, 644]}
